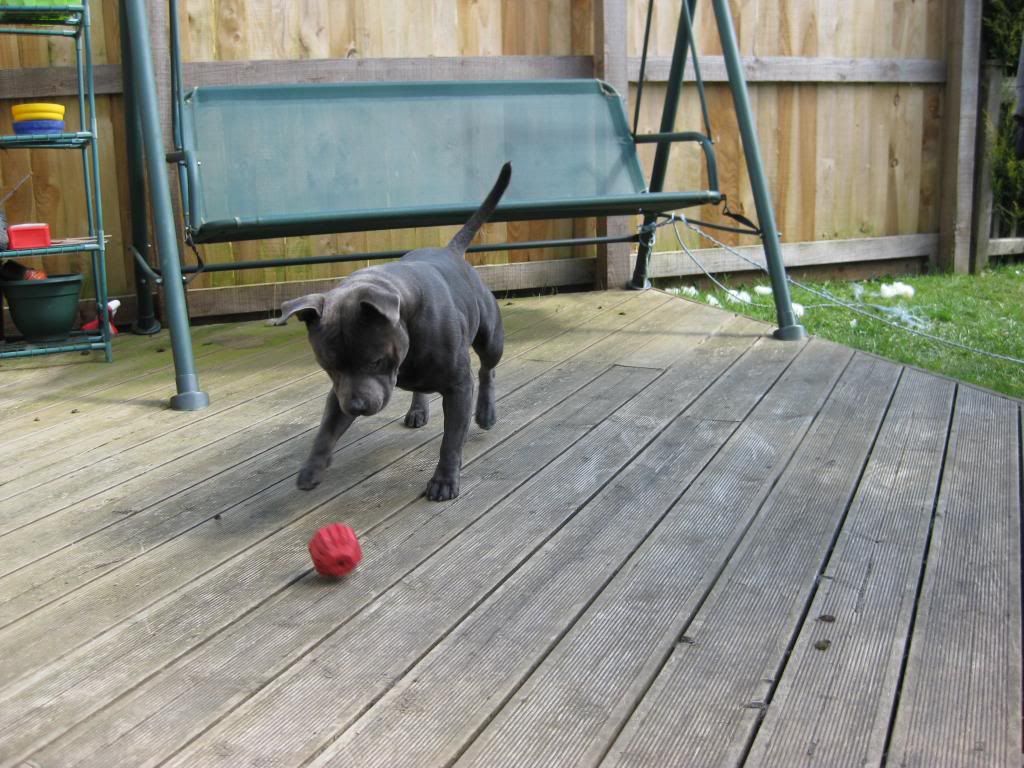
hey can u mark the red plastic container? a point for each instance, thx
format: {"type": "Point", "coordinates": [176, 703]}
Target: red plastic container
{"type": "Point", "coordinates": [24, 236]}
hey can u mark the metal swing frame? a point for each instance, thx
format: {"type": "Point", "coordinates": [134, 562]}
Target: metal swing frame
{"type": "Point", "coordinates": [216, 211]}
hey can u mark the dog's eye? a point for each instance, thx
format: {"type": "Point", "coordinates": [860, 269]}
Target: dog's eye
{"type": "Point", "coordinates": [379, 365]}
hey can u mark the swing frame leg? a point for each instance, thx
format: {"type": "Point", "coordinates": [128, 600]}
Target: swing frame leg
{"type": "Point", "coordinates": [789, 329]}
{"type": "Point", "coordinates": [146, 322]}
{"type": "Point", "coordinates": [139, 58]}
{"type": "Point", "coordinates": [640, 281]}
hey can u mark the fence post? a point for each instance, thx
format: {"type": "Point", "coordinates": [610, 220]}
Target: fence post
{"type": "Point", "coordinates": [610, 65]}
{"type": "Point", "coordinates": [988, 122]}
{"type": "Point", "coordinates": [963, 41]}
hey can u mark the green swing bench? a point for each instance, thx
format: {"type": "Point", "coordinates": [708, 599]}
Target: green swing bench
{"type": "Point", "coordinates": [264, 161]}
{"type": "Point", "coordinates": [273, 161]}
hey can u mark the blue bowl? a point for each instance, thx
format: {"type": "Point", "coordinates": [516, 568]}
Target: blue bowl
{"type": "Point", "coordinates": [29, 127]}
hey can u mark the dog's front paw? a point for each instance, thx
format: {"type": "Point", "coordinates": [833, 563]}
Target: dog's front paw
{"type": "Point", "coordinates": [310, 475]}
{"type": "Point", "coordinates": [443, 486]}
{"type": "Point", "coordinates": [486, 414]}
{"type": "Point", "coordinates": [416, 418]}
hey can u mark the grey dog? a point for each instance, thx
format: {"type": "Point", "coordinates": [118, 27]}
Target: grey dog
{"type": "Point", "coordinates": [408, 324]}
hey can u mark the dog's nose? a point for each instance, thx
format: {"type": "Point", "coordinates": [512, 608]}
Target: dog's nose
{"type": "Point", "coordinates": [357, 406]}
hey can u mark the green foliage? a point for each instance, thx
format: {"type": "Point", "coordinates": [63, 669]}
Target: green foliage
{"type": "Point", "coordinates": [1002, 27]}
{"type": "Point", "coordinates": [1007, 170]}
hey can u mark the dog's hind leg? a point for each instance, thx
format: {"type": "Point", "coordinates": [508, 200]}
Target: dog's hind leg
{"type": "Point", "coordinates": [419, 411]}
{"type": "Point", "coordinates": [488, 345]}
{"type": "Point", "coordinates": [457, 402]}
{"type": "Point", "coordinates": [332, 427]}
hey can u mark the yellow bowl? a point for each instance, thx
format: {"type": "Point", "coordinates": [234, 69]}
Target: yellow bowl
{"type": "Point", "coordinates": [35, 115]}
{"type": "Point", "coordinates": [51, 111]}
{"type": "Point", "coordinates": [39, 116]}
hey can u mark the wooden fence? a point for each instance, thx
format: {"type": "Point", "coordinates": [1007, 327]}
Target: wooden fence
{"type": "Point", "coordinates": [860, 116]}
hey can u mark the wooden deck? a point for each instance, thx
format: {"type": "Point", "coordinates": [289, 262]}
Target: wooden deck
{"type": "Point", "coordinates": [683, 544]}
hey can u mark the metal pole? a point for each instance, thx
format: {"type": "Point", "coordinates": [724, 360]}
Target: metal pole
{"type": "Point", "coordinates": [789, 329]}
{"type": "Point", "coordinates": [146, 322]}
{"type": "Point", "coordinates": [100, 254]}
{"type": "Point", "coordinates": [189, 397]}
{"type": "Point", "coordinates": [668, 121]}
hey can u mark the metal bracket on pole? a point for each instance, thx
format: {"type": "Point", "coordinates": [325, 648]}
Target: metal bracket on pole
{"type": "Point", "coordinates": [138, 57]}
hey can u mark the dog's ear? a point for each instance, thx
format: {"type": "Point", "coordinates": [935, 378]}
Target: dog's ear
{"type": "Point", "coordinates": [380, 303]}
{"type": "Point", "coordinates": [308, 308]}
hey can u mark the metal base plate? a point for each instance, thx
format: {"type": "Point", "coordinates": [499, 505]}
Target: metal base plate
{"type": "Point", "coordinates": [190, 401]}
{"type": "Point", "coordinates": [790, 333]}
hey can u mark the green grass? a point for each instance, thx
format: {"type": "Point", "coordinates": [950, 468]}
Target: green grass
{"type": "Point", "coordinates": [982, 311]}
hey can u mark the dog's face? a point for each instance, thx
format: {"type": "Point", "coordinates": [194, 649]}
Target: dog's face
{"type": "Point", "coordinates": [358, 338]}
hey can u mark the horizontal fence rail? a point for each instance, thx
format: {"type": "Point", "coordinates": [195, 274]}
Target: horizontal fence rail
{"type": "Point", "coordinates": [29, 82]}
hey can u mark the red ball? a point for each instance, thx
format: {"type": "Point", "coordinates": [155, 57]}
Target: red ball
{"type": "Point", "coordinates": [335, 550]}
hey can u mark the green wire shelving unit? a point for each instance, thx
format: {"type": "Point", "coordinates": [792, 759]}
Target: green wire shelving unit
{"type": "Point", "coordinates": [70, 21]}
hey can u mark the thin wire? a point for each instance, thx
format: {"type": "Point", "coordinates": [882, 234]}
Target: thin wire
{"type": "Point", "coordinates": [831, 298]}
{"type": "Point", "coordinates": [708, 275]}
{"type": "Point", "coordinates": [17, 186]}
{"type": "Point", "coordinates": [726, 228]}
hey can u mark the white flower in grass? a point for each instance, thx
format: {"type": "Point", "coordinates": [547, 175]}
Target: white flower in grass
{"type": "Point", "coordinates": [763, 290]}
{"type": "Point", "coordinates": [897, 290]}
{"type": "Point", "coordinates": [798, 309]}
{"type": "Point", "coordinates": [689, 290]}
{"type": "Point", "coordinates": [741, 296]}
{"type": "Point", "coordinates": [853, 323]}
{"type": "Point", "coordinates": [713, 301]}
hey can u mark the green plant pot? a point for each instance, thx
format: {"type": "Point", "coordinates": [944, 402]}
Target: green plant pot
{"type": "Point", "coordinates": [44, 310]}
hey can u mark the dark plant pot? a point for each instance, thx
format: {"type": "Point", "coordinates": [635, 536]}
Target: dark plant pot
{"type": "Point", "coordinates": [44, 310]}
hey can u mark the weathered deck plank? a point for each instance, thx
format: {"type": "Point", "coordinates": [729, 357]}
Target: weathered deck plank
{"type": "Point", "coordinates": [472, 565]}
{"type": "Point", "coordinates": [421, 723]}
{"type": "Point", "coordinates": [135, 545]}
{"type": "Point", "coordinates": [834, 702]}
{"type": "Point", "coordinates": [642, 549]}
{"type": "Point", "coordinates": [240, 577]}
{"type": "Point", "coordinates": [960, 704]}
{"type": "Point", "coordinates": [701, 707]}
{"type": "Point", "coordinates": [157, 635]}
{"type": "Point", "coordinates": [84, 502]}
{"type": "Point", "coordinates": [112, 431]}
{"type": "Point", "coordinates": [475, 563]}
{"type": "Point", "coordinates": [118, 399]}
{"type": "Point", "coordinates": [35, 386]}
{"type": "Point", "coordinates": [67, 447]}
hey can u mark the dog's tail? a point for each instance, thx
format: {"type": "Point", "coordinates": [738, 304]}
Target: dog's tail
{"type": "Point", "coordinates": [465, 235]}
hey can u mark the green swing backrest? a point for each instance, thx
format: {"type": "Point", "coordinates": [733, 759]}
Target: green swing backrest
{"type": "Point", "coordinates": [270, 161]}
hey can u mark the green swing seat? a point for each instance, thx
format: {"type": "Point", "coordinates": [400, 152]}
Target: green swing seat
{"type": "Point", "coordinates": [271, 161]}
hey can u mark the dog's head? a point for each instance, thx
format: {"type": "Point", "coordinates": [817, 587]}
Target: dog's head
{"type": "Point", "coordinates": [358, 338]}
